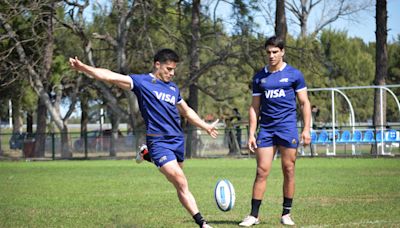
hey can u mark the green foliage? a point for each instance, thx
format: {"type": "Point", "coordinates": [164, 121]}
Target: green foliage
{"type": "Point", "coordinates": [59, 68]}
{"type": "Point", "coordinates": [335, 61]}
{"type": "Point", "coordinates": [393, 77]}
{"type": "Point", "coordinates": [29, 99]}
{"type": "Point", "coordinates": [116, 193]}
{"type": "Point", "coordinates": [3, 109]}
{"type": "Point", "coordinates": [306, 55]}
{"type": "Point", "coordinates": [346, 59]}
{"type": "Point", "coordinates": [394, 62]}
{"type": "Point", "coordinates": [331, 60]}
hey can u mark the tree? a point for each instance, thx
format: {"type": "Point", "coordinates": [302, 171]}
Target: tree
{"type": "Point", "coordinates": [209, 48]}
{"type": "Point", "coordinates": [14, 85]}
{"type": "Point", "coordinates": [34, 47]}
{"type": "Point", "coordinates": [330, 11]}
{"type": "Point", "coordinates": [280, 20]}
{"type": "Point", "coordinates": [194, 67]}
{"type": "Point", "coordinates": [381, 66]}
{"type": "Point", "coordinates": [124, 13]}
{"type": "Point", "coordinates": [78, 26]}
{"type": "Point", "coordinates": [43, 25]}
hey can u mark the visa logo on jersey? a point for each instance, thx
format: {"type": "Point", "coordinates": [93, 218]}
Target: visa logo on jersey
{"type": "Point", "coordinates": [275, 93]}
{"type": "Point", "coordinates": [165, 97]}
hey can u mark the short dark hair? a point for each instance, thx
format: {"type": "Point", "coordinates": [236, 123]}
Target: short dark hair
{"type": "Point", "coordinates": [165, 55]}
{"type": "Point", "coordinates": [275, 41]}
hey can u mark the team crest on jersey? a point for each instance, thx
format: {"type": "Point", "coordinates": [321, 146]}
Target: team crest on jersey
{"type": "Point", "coordinates": [258, 142]}
{"type": "Point", "coordinates": [163, 158]}
{"type": "Point", "coordinates": [172, 88]}
{"type": "Point", "coordinates": [284, 80]}
{"type": "Point", "coordinates": [154, 81]}
{"type": "Point", "coordinates": [294, 141]}
{"type": "Point", "coordinates": [275, 93]}
{"type": "Point", "coordinates": [165, 97]}
{"type": "Point", "coordinates": [264, 80]}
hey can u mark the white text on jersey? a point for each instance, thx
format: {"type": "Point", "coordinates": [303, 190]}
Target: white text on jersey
{"type": "Point", "coordinates": [165, 97]}
{"type": "Point", "coordinates": [275, 93]}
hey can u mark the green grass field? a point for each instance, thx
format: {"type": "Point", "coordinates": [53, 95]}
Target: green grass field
{"type": "Point", "coordinates": [119, 193]}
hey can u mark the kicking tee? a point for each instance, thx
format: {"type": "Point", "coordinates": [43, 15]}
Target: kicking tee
{"type": "Point", "coordinates": [157, 103]}
{"type": "Point", "coordinates": [278, 96]}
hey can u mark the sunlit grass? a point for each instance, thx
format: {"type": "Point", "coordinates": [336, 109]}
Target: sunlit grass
{"type": "Point", "coordinates": [330, 192]}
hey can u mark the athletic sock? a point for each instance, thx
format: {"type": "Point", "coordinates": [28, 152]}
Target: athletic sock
{"type": "Point", "coordinates": [199, 219]}
{"type": "Point", "coordinates": [287, 205]}
{"type": "Point", "coordinates": [255, 207]}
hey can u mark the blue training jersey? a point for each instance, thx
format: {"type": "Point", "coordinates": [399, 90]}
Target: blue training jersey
{"type": "Point", "coordinates": [278, 96]}
{"type": "Point", "coordinates": [157, 103]}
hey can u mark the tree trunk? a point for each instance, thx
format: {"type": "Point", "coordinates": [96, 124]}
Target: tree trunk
{"type": "Point", "coordinates": [1, 149]}
{"type": "Point", "coordinates": [65, 150]}
{"type": "Point", "coordinates": [381, 67]}
{"type": "Point", "coordinates": [115, 119]}
{"type": "Point", "coordinates": [29, 122]}
{"type": "Point", "coordinates": [16, 115]}
{"type": "Point", "coordinates": [191, 144]}
{"type": "Point", "coordinates": [41, 123]}
{"type": "Point", "coordinates": [303, 19]}
{"type": "Point", "coordinates": [84, 116]}
{"type": "Point", "coordinates": [133, 109]}
{"type": "Point", "coordinates": [280, 20]}
{"type": "Point", "coordinates": [122, 39]}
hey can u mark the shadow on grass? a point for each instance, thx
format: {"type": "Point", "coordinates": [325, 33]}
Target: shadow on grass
{"type": "Point", "coordinates": [223, 222]}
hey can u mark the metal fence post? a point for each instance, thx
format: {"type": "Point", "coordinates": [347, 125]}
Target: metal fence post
{"type": "Point", "coordinates": [85, 142]}
{"type": "Point", "coordinates": [1, 151]}
{"type": "Point", "coordinates": [53, 146]}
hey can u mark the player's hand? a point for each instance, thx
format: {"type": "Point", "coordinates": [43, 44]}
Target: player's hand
{"type": "Point", "coordinates": [305, 138]}
{"type": "Point", "coordinates": [212, 129]}
{"type": "Point", "coordinates": [76, 64]}
{"type": "Point", "coordinates": [252, 144]}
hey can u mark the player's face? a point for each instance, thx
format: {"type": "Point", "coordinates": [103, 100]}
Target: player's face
{"type": "Point", "coordinates": [165, 71]}
{"type": "Point", "coordinates": [275, 55]}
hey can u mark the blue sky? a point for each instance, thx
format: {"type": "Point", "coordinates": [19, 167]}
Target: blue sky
{"type": "Point", "coordinates": [366, 27]}
{"type": "Point", "coordinates": [363, 27]}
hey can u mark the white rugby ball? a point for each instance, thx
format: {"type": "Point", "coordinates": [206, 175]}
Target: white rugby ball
{"type": "Point", "coordinates": [224, 195]}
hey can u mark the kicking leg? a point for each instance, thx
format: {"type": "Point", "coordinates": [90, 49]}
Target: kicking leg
{"type": "Point", "coordinates": [174, 173]}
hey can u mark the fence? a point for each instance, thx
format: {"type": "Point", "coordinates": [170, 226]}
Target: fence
{"type": "Point", "coordinates": [230, 142]}
{"type": "Point", "coordinates": [93, 144]}
{"type": "Point", "coordinates": [355, 142]}
{"type": "Point", "coordinates": [96, 144]}
{"type": "Point", "coordinates": [378, 143]}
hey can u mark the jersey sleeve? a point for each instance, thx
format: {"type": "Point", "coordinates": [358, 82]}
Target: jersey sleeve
{"type": "Point", "coordinates": [132, 84]}
{"type": "Point", "coordinates": [257, 91]}
{"type": "Point", "coordinates": [135, 82]}
{"type": "Point", "coordinates": [300, 82]}
{"type": "Point", "coordinates": [179, 100]}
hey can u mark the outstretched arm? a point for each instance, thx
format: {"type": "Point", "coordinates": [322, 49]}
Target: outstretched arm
{"type": "Point", "coordinates": [194, 119]}
{"type": "Point", "coordinates": [101, 74]}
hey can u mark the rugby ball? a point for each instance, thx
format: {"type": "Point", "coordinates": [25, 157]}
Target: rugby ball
{"type": "Point", "coordinates": [224, 195]}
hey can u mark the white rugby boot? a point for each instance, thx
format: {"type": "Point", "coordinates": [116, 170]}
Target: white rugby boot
{"type": "Point", "coordinates": [249, 221]}
{"type": "Point", "coordinates": [287, 220]}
